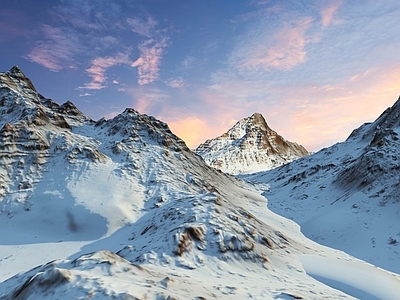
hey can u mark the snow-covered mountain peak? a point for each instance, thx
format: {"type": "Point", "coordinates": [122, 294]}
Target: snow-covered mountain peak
{"type": "Point", "coordinates": [16, 74]}
{"type": "Point", "coordinates": [20, 101]}
{"type": "Point", "coordinates": [247, 125]}
{"type": "Point", "coordinates": [249, 146]}
{"type": "Point", "coordinates": [130, 124]}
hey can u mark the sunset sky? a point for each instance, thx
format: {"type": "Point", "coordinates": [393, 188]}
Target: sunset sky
{"type": "Point", "coordinates": [315, 69]}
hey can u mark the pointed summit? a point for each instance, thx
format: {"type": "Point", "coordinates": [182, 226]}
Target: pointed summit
{"type": "Point", "coordinates": [17, 73]}
{"type": "Point", "coordinates": [247, 125]}
{"type": "Point", "coordinates": [249, 146]}
{"type": "Point", "coordinates": [258, 119]}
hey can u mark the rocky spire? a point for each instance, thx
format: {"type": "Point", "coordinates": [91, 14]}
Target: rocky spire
{"type": "Point", "coordinates": [17, 73]}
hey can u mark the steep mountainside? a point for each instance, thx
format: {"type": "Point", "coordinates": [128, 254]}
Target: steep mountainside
{"type": "Point", "coordinates": [122, 209]}
{"type": "Point", "coordinates": [347, 195]}
{"type": "Point", "coordinates": [249, 146]}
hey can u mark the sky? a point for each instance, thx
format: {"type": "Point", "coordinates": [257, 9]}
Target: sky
{"type": "Point", "coordinates": [315, 69]}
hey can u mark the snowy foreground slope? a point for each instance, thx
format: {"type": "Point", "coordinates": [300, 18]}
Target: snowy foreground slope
{"type": "Point", "coordinates": [122, 209]}
{"type": "Point", "coordinates": [249, 146]}
{"type": "Point", "coordinates": [346, 196]}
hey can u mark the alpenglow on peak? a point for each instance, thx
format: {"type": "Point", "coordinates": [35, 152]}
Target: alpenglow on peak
{"type": "Point", "coordinates": [249, 146]}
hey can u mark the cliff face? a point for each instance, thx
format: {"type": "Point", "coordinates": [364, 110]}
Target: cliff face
{"type": "Point", "coordinates": [249, 146]}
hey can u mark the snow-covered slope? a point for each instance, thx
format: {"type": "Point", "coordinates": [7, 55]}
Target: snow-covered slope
{"type": "Point", "coordinates": [249, 146]}
{"type": "Point", "coordinates": [346, 196]}
{"type": "Point", "coordinates": [122, 209]}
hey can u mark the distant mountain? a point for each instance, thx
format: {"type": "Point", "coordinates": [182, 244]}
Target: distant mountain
{"type": "Point", "coordinates": [347, 195]}
{"type": "Point", "coordinates": [122, 209]}
{"type": "Point", "coordinates": [249, 146]}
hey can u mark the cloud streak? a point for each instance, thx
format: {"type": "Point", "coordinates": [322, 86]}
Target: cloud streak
{"type": "Point", "coordinates": [98, 69]}
{"type": "Point", "coordinates": [176, 83]}
{"type": "Point", "coordinates": [58, 51]}
{"type": "Point", "coordinates": [141, 27]}
{"type": "Point", "coordinates": [151, 49]}
{"type": "Point", "coordinates": [284, 51]}
{"type": "Point", "coordinates": [327, 13]}
{"type": "Point", "coordinates": [148, 63]}
{"type": "Point", "coordinates": [96, 34]}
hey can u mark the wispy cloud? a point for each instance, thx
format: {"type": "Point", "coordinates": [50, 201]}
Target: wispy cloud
{"type": "Point", "coordinates": [283, 51]}
{"type": "Point", "coordinates": [177, 83]}
{"type": "Point", "coordinates": [98, 69]}
{"type": "Point", "coordinates": [58, 50]}
{"type": "Point", "coordinates": [94, 34]}
{"type": "Point", "coordinates": [327, 13]}
{"type": "Point", "coordinates": [148, 63]}
{"type": "Point", "coordinates": [85, 95]}
{"type": "Point", "coordinates": [188, 62]}
{"type": "Point", "coordinates": [151, 49]}
{"type": "Point", "coordinates": [142, 27]}
{"type": "Point", "coordinates": [93, 16]}
{"type": "Point", "coordinates": [361, 75]}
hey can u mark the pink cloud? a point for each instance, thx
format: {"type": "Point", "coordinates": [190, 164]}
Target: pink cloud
{"type": "Point", "coordinates": [362, 75]}
{"type": "Point", "coordinates": [286, 51]}
{"type": "Point", "coordinates": [148, 63]}
{"type": "Point", "coordinates": [57, 51]}
{"type": "Point", "coordinates": [151, 50]}
{"type": "Point", "coordinates": [327, 14]}
{"type": "Point", "coordinates": [45, 57]}
{"type": "Point", "coordinates": [98, 69]}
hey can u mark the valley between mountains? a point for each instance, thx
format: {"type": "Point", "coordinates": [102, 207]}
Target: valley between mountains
{"type": "Point", "coordinates": [123, 209]}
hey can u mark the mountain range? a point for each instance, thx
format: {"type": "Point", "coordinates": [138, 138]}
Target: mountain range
{"type": "Point", "coordinates": [122, 209]}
